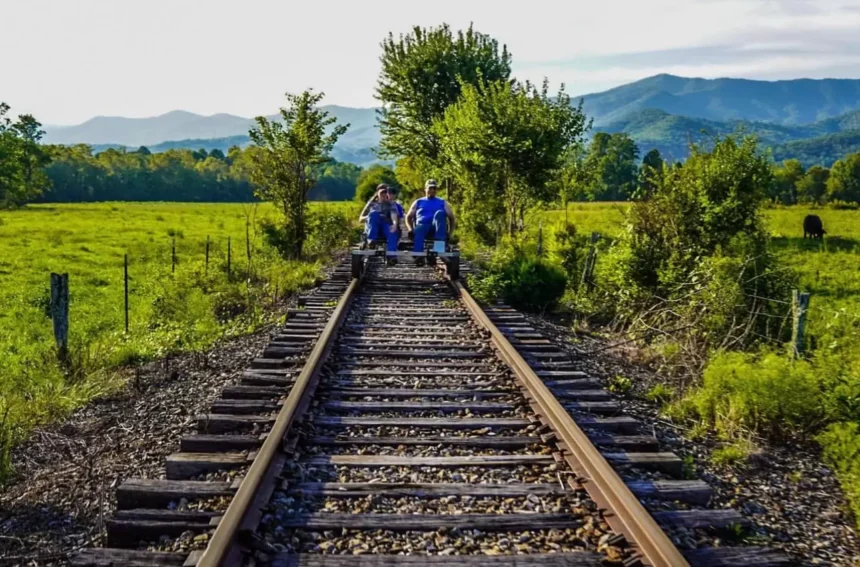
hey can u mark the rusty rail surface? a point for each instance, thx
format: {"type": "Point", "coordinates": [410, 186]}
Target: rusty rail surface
{"type": "Point", "coordinates": [623, 511]}
{"type": "Point", "coordinates": [221, 549]}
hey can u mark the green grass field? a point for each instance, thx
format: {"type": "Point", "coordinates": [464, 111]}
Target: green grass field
{"type": "Point", "coordinates": [185, 310]}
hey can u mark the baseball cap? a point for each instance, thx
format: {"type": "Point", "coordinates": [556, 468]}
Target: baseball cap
{"type": "Point", "coordinates": [430, 183]}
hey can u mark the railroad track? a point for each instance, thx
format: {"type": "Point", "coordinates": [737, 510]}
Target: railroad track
{"type": "Point", "coordinates": [394, 422]}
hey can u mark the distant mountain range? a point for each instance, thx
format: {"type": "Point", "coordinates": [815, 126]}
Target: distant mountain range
{"type": "Point", "coordinates": [664, 111]}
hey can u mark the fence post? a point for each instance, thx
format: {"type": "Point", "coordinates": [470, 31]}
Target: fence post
{"type": "Point", "coordinates": [207, 254]}
{"type": "Point", "coordinates": [799, 306]}
{"type": "Point", "coordinates": [590, 261]}
{"type": "Point", "coordinates": [60, 313]}
{"type": "Point", "coordinates": [173, 255]}
{"type": "Point", "coordinates": [228, 255]}
{"type": "Point", "coordinates": [125, 279]}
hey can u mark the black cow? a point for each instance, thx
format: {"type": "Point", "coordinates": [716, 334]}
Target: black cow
{"type": "Point", "coordinates": [812, 227]}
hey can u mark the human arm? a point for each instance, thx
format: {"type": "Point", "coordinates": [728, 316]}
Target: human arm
{"type": "Point", "coordinates": [410, 216]}
{"type": "Point", "coordinates": [366, 211]}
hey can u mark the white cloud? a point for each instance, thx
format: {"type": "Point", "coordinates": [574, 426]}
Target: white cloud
{"type": "Point", "coordinates": [66, 61]}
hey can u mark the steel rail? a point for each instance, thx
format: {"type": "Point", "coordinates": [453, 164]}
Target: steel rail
{"type": "Point", "coordinates": [221, 546]}
{"type": "Point", "coordinates": [623, 511]}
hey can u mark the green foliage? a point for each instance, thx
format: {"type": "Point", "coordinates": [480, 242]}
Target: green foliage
{"type": "Point", "coordinates": [771, 394]}
{"type": "Point", "coordinates": [77, 174]}
{"type": "Point", "coordinates": [660, 394]}
{"type": "Point", "coordinates": [286, 165]}
{"type": "Point", "coordinates": [785, 180]}
{"type": "Point", "coordinates": [694, 254]}
{"type": "Point", "coordinates": [22, 159]}
{"type": "Point", "coordinates": [523, 282]}
{"type": "Point", "coordinates": [422, 74]}
{"type": "Point", "coordinates": [841, 444]}
{"type": "Point", "coordinates": [569, 250]}
{"type": "Point", "coordinates": [812, 187]}
{"type": "Point", "coordinates": [844, 181]}
{"type": "Point", "coordinates": [611, 163]}
{"type": "Point", "coordinates": [731, 454]}
{"type": "Point", "coordinates": [620, 385]}
{"type": "Point", "coordinates": [503, 142]}
{"type": "Point", "coordinates": [370, 178]}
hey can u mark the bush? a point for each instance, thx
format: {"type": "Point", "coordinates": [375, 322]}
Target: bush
{"type": "Point", "coordinates": [768, 394]}
{"type": "Point", "coordinates": [330, 230]}
{"type": "Point", "coordinates": [841, 445]}
{"type": "Point", "coordinates": [525, 283]}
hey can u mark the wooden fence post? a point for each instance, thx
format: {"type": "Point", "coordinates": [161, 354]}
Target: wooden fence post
{"type": "Point", "coordinates": [799, 306]}
{"type": "Point", "coordinates": [590, 261]}
{"type": "Point", "coordinates": [60, 313]}
{"type": "Point", "coordinates": [125, 279]}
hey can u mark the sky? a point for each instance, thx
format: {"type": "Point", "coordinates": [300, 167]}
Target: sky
{"type": "Point", "coordinates": [66, 61]}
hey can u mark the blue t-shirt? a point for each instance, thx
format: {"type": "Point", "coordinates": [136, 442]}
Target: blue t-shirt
{"type": "Point", "coordinates": [427, 207]}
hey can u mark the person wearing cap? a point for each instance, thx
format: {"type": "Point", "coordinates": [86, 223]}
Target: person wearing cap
{"type": "Point", "coordinates": [381, 218]}
{"type": "Point", "coordinates": [429, 217]}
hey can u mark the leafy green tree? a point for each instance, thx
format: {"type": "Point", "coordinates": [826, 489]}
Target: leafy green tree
{"type": "Point", "coordinates": [217, 154]}
{"type": "Point", "coordinates": [812, 187]}
{"type": "Point", "coordinates": [422, 74]}
{"type": "Point", "coordinates": [785, 179]}
{"type": "Point", "coordinates": [696, 210]}
{"type": "Point", "coordinates": [504, 142]}
{"type": "Point", "coordinates": [286, 167]}
{"type": "Point", "coordinates": [611, 163]}
{"type": "Point", "coordinates": [844, 181]}
{"type": "Point", "coordinates": [22, 159]}
{"type": "Point", "coordinates": [651, 171]}
{"type": "Point", "coordinates": [370, 178]}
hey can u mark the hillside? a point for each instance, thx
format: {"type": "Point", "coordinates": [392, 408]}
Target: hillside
{"type": "Point", "coordinates": [789, 102]}
{"type": "Point", "coordinates": [652, 128]}
{"type": "Point", "coordinates": [823, 150]}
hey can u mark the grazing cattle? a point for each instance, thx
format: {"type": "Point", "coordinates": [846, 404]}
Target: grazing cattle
{"type": "Point", "coordinates": [812, 227]}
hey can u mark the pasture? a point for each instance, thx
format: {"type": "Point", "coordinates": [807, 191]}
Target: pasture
{"type": "Point", "coordinates": [185, 309]}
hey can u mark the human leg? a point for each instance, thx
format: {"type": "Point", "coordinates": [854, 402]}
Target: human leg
{"type": "Point", "coordinates": [440, 225]}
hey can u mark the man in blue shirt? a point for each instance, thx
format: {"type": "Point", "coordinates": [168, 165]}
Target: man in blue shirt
{"type": "Point", "coordinates": [381, 218]}
{"type": "Point", "coordinates": [429, 217]}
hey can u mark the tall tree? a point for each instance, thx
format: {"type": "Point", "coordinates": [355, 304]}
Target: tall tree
{"type": "Point", "coordinates": [844, 181]}
{"type": "Point", "coordinates": [287, 163]}
{"type": "Point", "coordinates": [611, 159]}
{"type": "Point", "coordinates": [504, 142]}
{"type": "Point", "coordinates": [650, 171]}
{"type": "Point", "coordinates": [422, 74]}
{"type": "Point", "coordinates": [785, 179]}
{"type": "Point", "coordinates": [812, 187]}
{"type": "Point", "coordinates": [370, 178]}
{"type": "Point", "coordinates": [22, 159]}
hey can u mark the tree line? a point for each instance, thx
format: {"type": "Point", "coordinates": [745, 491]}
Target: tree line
{"type": "Point", "coordinates": [33, 172]}
{"type": "Point", "coordinates": [817, 185]}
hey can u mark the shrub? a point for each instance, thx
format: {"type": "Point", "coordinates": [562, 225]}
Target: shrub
{"type": "Point", "coordinates": [620, 385]}
{"type": "Point", "coordinates": [524, 283]}
{"type": "Point", "coordinates": [330, 230]}
{"type": "Point", "coordinates": [659, 394]}
{"type": "Point", "coordinates": [731, 454]}
{"type": "Point", "coordinates": [569, 250]}
{"type": "Point", "coordinates": [768, 394]}
{"type": "Point", "coordinates": [841, 445]}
